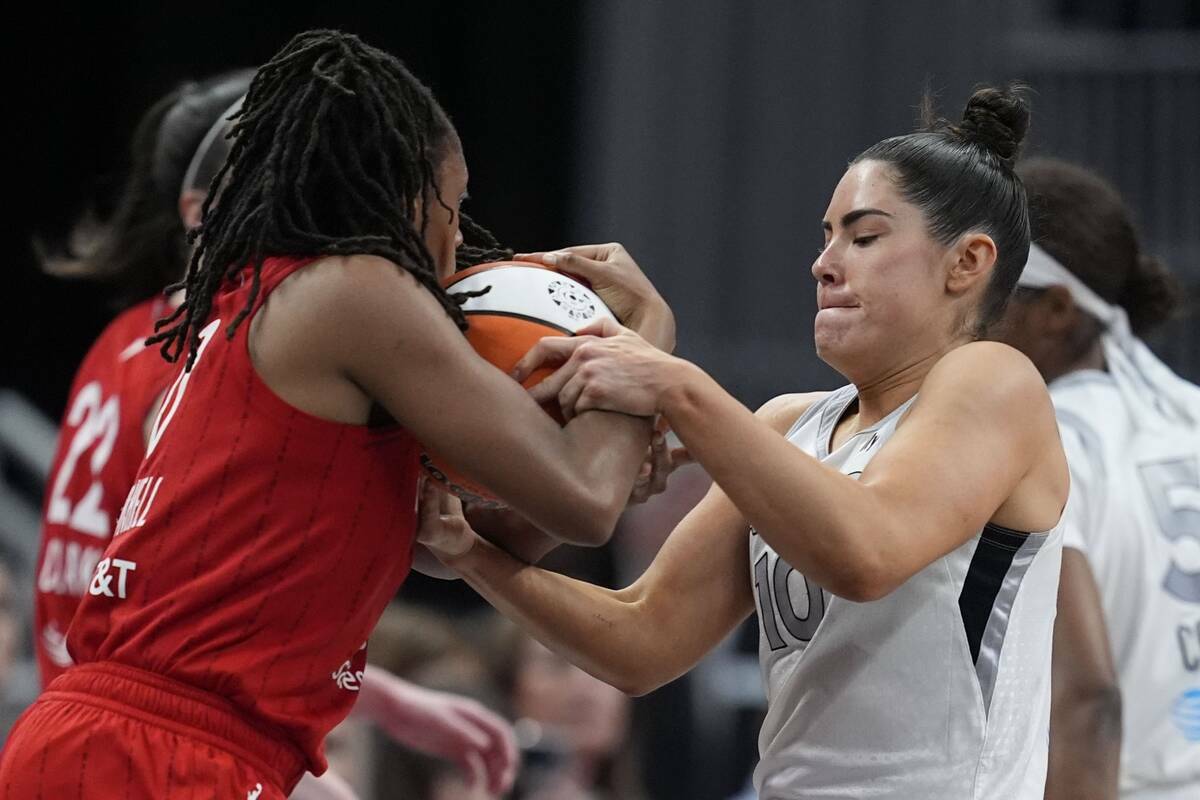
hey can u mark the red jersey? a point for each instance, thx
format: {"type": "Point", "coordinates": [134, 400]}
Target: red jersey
{"type": "Point", "coordinates": [259, 544]}
{"type": "Point", "coordinates": [100, 446]}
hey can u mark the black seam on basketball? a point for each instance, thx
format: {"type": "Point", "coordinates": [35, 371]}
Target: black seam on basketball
{"type": "Point", "coordinates": [526, 317]}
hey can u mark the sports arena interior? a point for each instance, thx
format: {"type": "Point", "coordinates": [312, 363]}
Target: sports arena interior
{"type": "Point", "coordinates": [706, 137]}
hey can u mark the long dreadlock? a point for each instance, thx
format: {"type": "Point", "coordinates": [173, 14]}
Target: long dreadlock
{"type": "Point", "coordinates": [336, 141]}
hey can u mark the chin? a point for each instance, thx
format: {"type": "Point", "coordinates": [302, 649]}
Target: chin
{"type": "Point", "coordinates": [838, 350]}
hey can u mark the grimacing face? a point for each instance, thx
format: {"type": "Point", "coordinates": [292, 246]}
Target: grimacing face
{"type": "Point", "coordinates": [881, 279]}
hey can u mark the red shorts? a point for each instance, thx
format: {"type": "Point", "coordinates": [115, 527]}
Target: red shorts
{"type": "Point", "coordinates": [110, 731]}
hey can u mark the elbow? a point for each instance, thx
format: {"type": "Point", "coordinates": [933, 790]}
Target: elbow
{"type": "Point", "coordinates": [864, 580]}
{"type": "Point", "coordinates": [1102, 706]}
{"type": "Point", "coordinates": [588, 517]}
{"type": "Point", "coordinates": [637, 682]}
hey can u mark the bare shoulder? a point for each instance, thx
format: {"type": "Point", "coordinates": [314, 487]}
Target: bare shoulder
{"type": "Point", "coordinates": [989, 375]}
{"type": "Point", "coordinates": [782, 412]}
{"type": "Point", "coordinates": [361, 297]}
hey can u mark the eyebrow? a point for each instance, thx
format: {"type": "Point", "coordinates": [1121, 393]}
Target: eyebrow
{"type": "Point", "coordinates": [854, 216]}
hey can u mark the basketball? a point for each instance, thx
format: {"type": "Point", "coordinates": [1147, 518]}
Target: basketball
{"type": "Point", "coordinates": [520, 304]}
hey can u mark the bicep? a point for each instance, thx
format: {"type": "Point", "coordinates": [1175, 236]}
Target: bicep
{"type": "Point", "coordinates": [972, 437]}
{"type": "Point", "coordinates": [408, 355]}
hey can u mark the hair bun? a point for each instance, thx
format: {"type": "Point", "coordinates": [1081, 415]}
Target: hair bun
{"type": "Point", "coordinates": [1151, 294]}
{"type": "Point", "coordinates": [996, 119]}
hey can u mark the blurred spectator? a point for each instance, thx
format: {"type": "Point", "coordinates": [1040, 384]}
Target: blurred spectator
{"type": "Point", "coordinates": [574, 730]}
{"type": "Point", "coordinates": [428, 649]}
{"type": "Point", "coordinates": [18, 685]}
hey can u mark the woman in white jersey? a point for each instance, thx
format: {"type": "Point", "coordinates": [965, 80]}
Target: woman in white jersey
{"type": "Point", "coordinates": [880, 529]}
{"type": "Point", "coordinates": [1131, 430]}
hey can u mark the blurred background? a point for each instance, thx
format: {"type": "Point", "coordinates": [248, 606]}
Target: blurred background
{"type": "Point", "coordinates": [704, 135]}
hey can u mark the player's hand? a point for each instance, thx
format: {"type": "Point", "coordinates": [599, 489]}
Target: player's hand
{"type": "Point", "coordinates": [605, 367]}
{"type": "Point", "coordinates": [621, 284]}
{"type": "Point", "coordinates": [661, 461]}
{"type": "Point", "coordinates": [444, 725]}
{"type": "Point", "coordinates": [442, 528]}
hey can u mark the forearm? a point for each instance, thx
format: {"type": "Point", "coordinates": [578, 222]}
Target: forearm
{"type": "Point", "coordinates": [656, 325]}
{"type": "Point", "coordinates": [801, 507]}
{"type": "Point", "coordinates": [514, 533]}
{"type": "Point", "coordinates": [1085, 708]}
{"type": "Point", "coordinates": [613, 446]}
{"type": "Point", "coordinates": [1085, 746]}
{"type": "Point", "coordinates": [598, 629]}
{"type": "Point", "coordinates": [605, 452]}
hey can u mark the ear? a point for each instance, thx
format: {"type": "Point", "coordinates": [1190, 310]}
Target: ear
{"type": "Point", "coordinates": [191, 203]}
{"type": "Point", "coordinates": [1058, 309]}
{"type": "Point", "coordinates": [972, 259]}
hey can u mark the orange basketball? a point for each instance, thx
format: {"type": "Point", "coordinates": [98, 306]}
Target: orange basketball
{"type": "Point", "coordinates": [523, 303]}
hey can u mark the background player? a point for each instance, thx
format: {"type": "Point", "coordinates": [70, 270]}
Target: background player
{"type": "Point", "coordinates": [274, 515]}
{"type": "Point", "coordinates": [177, 148]}
{"type": "Point", "coordinates": [907, 617]}
{"type": "Point", "coordinates": [1131, 429]}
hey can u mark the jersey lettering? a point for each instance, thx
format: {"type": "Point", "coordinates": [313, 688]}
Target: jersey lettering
{"type": "Point", "coordinates": [67, 567]}
{"type": "Point", "coordinates": [137, 504]}
{"type": "Point", "coordinates": [102, 582]}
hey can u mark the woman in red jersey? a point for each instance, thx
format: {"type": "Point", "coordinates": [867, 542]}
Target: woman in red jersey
{"type": "Point", "coordinates": [176, 150]}
{"type": "Point", "coordinates": [137, 251]}
{"type": "Point", "coordinates": [223, 631]}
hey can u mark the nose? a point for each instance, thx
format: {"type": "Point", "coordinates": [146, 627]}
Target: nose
{"type": "Point", "coordinates": [826, 269]}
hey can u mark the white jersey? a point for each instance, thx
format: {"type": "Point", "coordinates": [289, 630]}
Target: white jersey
{"type": "Point", "coordinates": [1135, 514]}
{"type": "Point", "coordinates": [939, 691]}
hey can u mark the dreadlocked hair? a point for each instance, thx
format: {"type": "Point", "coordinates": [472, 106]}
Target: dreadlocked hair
{"type": "Point", "coordinates": [479, 245]}
{"type": "Point", "coordinates": [334, 147]}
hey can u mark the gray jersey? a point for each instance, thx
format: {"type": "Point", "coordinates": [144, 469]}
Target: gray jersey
{"type": "Point", "coordinates": [939, 690]}
{"type": "Point", "coordinates": [1135, 514]}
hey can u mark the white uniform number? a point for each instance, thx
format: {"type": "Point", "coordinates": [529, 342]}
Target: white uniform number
{"type": "Point", "coordinates": [1174, 491]}
{"type": "Point", "coordinates": [95, 419]}
{"type": "Point", "coordinates": [174, 395]}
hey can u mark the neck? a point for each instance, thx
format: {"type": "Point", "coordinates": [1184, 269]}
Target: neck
{"type": "Point", "coordinates": [881, 396]}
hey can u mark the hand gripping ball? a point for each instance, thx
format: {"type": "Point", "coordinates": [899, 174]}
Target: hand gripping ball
{"type": "Point", "coordinates": [522, 304]}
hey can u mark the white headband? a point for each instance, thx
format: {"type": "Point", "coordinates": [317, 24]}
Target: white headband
{"type": "Point", "coordinates": [218, 128]}
{"type": "Point", "coordinates": [1146, 383]}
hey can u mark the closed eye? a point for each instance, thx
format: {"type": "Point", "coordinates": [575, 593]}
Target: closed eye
{"type": "Point", "coordinates": [863, 241]}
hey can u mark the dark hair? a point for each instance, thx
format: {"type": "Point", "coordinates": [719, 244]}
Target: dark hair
{"type": "Point", "coordinates": [961, 177]}
{"type": "Point", "coordinates": [1080, 219]}
{"type": "Point", "coordinates": [335, 144]}
{"type": "Point", "coordinates": [141, 246]}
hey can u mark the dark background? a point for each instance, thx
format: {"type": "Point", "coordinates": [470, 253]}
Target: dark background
{"type": "Point", "coordinates": [706, 135]}
{"type": "Point", "coordinates": [89, 71]}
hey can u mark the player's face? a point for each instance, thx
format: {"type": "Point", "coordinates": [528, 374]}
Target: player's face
{"type": "Point", "coordinates": [880, 278]}
{"type": "Point", "coordinates": [442, 234]}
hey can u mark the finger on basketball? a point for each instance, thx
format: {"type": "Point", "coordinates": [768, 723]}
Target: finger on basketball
{"type": "Point", "coordinates": [568, 398]}
{"type": "Point", "coordinates": [549, 388]}
{"type": "Point", "coordinates": [550, 351]}
{"type": "Point", "coordinates": [602, 327]}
